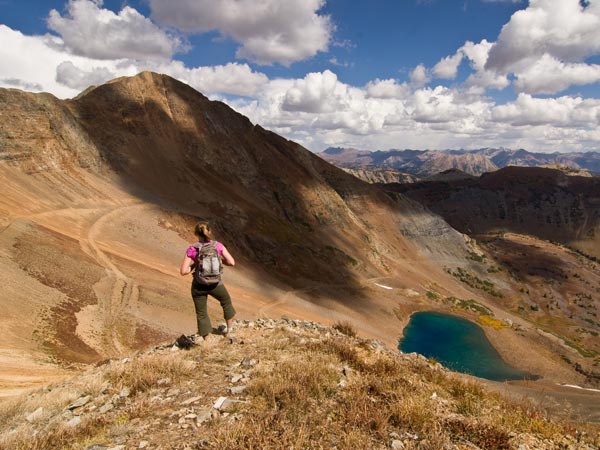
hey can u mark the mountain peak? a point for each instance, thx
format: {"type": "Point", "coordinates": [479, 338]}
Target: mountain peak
{"type": "Point", "coordinates": [145, 84]}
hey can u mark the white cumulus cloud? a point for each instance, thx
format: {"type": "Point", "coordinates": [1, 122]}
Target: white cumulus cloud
{"type": "Point", "coordinates": [543, 48]}
{"type": "Point", "coordinates": [447, 67]}
{"type": "Point", "coordinates": [319, 110]}
{"type": "Point", "coordinates": [444, 105]}
{"type": "Point", "coordinates": [33, 60]}
{"type": "Point", "coordinates": [72, 76]}
{"type": "Point", "coordinates": [317, 93]}
{"type": "Point", "coordinates": [420, 76]}
{"type": "Point", "coordinates": [89, 30]}
{"type": "Point", "coordinates": [232, 78]}
{"type": "Point", "coordinates": [556, 35]}
{"type": "Point", "coordinates": [566, 112]}
{"type": "Point", "coordinates": [563, 29]}
{"type": "Point", "coordinates": [548, 75]}
{"type": "Point", "coordinates": [269, 31]}
{"type": "Point", "coordinates": [387, 89]}
{"type": "Point", "coordinates": [477, 54]}
{"type": "Point", "coordinates": [41, 63]}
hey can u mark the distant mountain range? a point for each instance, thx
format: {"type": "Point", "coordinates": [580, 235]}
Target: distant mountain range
{"type": "Point", "coordinates": [424, 163]}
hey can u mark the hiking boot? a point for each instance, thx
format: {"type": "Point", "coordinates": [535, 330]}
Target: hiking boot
{"type": "Point", "coordinates": [184, 342]}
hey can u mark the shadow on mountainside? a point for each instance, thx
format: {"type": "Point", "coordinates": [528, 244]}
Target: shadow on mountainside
{"type": "Point", "coordinates": [201, 159]}
{"type": "Point", "coordinates": [113, 180]}
{"type": "Point", "coordinates": [272, 201]}
{"type": "Point", "coordinates": [540, 202]}
{"type": "Point", "coordinates": [529, 260]}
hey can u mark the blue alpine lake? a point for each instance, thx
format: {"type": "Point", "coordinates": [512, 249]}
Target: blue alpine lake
{"type": "Point", "coordinates": [459, 345]}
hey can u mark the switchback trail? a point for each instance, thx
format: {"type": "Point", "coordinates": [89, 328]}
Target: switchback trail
{"type": "Point", "coordinates": [125, 291]}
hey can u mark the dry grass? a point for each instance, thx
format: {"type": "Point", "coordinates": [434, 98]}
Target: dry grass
{"type": "Point", "coordinates": [299, 405]}
{"type": "Point", "coordinates": [489, 321]}
{"type": "Point", "coordinates": [21, 418]}
{"type": "Point", "coordinates": [137, 375]}
{"type": "Point", "coordinates": [142, 373]}
{"type": "Point", "coordinates": [345, 328]}
{"type": "Point", "coordinates": [309, 389]}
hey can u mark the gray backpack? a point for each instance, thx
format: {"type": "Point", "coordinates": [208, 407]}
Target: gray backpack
{"type": "Point", "coordinates": [210, 266]}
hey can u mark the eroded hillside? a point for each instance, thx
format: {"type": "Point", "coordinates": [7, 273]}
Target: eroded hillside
{"type": "Point", "coordinates": [100, 196]}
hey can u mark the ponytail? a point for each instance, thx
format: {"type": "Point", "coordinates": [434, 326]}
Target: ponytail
{"type": "Point", "coordinates": [202, 231]}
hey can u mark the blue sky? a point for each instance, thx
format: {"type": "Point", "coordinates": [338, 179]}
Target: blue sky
{"type": "Point", "coordinates": [372, 74]}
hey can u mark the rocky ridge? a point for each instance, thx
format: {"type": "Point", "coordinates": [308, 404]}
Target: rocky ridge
{"type": "Point", "coordinates": [247, 389]}
{"type": "Point", "coordinates": [381, 176]}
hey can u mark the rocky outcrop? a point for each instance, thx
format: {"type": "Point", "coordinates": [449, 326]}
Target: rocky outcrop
{"type": "Point", "coordinates": [382, 176]}
{"type": "Point", "coordinates": [255, 388]}
{"type": "Point", "coordinates": [540, 202]}
{"type": "Point", "coordinates": [39, 133]}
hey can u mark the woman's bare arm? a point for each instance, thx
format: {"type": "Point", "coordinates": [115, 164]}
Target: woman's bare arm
{"type": "Point", "coordinates": [186, 265]}
{"type": "Point", "coordinates": [227, 258]}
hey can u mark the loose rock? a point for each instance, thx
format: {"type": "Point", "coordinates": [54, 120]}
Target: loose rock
{"type": "Point", "coordinates": [73, 422]}
{"type": "Point", "coordinates": [106, 408]}
{"type": "Point", "coordinates": [125, 392]}
{"type": "Point", "coordinates": [398, 445]}
{"type": "Point", "coordinates": [37, 414]}
{"type": "Point", "coordinates": [237, 390]}
{"type": "Point", "coordinates": [81, 401]}
{"type": "Point", "coordinates": [189, 401]}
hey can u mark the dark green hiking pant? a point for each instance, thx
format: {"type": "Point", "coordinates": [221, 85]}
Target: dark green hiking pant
{"type": "Point", "coordinates": [200, 294]}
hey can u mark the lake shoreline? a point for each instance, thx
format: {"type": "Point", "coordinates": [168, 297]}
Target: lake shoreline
{"type": "Point", "coordinates": [559, 390]}
{"type": "Point", "coordinates": [459, 344]}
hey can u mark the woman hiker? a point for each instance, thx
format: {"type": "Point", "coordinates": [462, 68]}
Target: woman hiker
{"type": "Point", "coordinates": [206, 258]}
